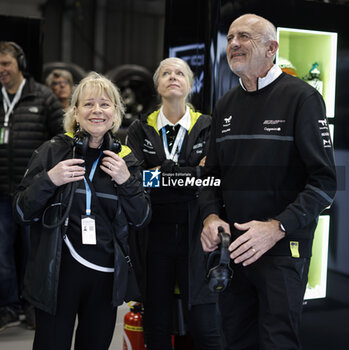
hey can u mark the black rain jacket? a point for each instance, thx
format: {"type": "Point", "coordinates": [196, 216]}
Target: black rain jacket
{"type": "Point", "coordinates": [173, 204]}
{"type": "Point", "coordinates": [36, 118]}
{"type": "Point", "coordinates": [37, 192]}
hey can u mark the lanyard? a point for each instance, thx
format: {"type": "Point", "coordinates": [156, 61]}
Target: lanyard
{"type": "Point", "coordinates": [176, 148]}
{"type": "Point", "coordinates": [88, 190]}
{"type": "Point", "coordinates": [8, 106]}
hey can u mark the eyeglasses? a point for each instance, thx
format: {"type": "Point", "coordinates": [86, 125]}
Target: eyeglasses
{"type": "Point", "coordinates": [61, 82]}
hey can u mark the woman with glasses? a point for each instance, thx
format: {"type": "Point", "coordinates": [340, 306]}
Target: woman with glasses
{"type": "Point", "coordinates": [61, 83]}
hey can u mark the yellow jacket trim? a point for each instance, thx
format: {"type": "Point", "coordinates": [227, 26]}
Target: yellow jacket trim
{"type": "Point", "coordinates": [153, 117]}
{"type": "Point", "coordinates": [125, 150]}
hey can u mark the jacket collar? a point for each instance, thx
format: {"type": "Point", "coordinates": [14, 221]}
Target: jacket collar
{"type": "Point", "coordinates": [272, 75]}
{"type": "Point", "coordinates": [153, 117]}
{"type": "Point", "coordinates": [163, 121]}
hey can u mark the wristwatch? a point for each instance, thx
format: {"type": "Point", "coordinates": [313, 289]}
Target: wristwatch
{"type": "Point", "coordinates": [282, 227]}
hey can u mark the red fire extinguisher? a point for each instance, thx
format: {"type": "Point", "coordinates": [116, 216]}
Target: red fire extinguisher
{"type": "Point", "coordinates": [133, 329]}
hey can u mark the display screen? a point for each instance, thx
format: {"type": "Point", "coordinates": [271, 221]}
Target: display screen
{"type": "Point", "coordinates": [194, 55]}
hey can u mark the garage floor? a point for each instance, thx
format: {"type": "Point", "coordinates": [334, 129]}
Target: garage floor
{"type": "Point", "coordinates": [324, 327]}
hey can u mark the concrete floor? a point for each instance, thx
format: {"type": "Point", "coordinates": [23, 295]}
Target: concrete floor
{"type": "Point", "coordinates": [20, 338]}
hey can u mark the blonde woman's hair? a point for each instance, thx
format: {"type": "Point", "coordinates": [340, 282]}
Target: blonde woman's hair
{"type": "Point", "coordinates": [188, 73]}
{"type": "Point", "coordinates": [99, 85]}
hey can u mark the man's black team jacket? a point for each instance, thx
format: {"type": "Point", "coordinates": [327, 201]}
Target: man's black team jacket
{"type": "Point", "coordinates": [273, 152]}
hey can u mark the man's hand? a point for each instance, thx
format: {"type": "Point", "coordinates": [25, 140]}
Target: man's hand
{"type": "Point", "coordinates": [260, 236]}
{"type": "Point", "coordinates": [209, 234]}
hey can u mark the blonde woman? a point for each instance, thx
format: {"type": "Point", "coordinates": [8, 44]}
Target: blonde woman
{"type": "Point", "coordinates": [174, 140]}
{"type": "Point", "coordinates": [77, 265]}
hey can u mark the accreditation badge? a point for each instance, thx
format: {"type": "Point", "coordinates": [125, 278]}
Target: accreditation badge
{"type": "Point", "coordinates": [4, 133]}
{"type": "Point", "coordinates": [88, 228]}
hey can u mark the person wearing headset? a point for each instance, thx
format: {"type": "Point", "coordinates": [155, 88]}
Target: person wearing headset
{"type": "Point", "coordinates": [30, 114]}
{"type": "Point", "coordinates": [79, 195]}
{"type": "Point", "coordinates": [173, 140]}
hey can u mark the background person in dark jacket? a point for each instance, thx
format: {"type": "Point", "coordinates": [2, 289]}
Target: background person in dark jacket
{"type": "Point", "coordinates": [173, 140]}
{"type": "Point", "coordinates": [29, 115]}
{"type": "Point", "coordinates": [270, 145]}
{"type": "Point", "coordinates": [86, 275]}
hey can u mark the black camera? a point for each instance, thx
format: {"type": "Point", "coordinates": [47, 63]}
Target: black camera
{"type": "Point", "coordinates": [219, 274]}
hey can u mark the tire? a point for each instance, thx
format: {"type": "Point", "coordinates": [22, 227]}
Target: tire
{"type": "Point", "coordinates": [77, 72]}
{"type": "Point", "coordinates": [137, 90]}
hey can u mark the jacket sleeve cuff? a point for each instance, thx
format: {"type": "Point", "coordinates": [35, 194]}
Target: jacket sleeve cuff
{"type": "Point", "coordinates": [206, 210]}
{"type": "Point", "coordinates": [130, 187]}
{"type": "Point", "coordinates": [289, 221]}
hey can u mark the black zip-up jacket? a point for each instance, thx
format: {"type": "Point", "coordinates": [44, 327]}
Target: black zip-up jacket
{"type": "Point", "coordinates": [37, 192]}
{"type": "Point", "coordinates": [273, 152]}
{"type": "Point", "coordinates": [36, 118]}
{"type": "Point", "coordinates": [173, 205]}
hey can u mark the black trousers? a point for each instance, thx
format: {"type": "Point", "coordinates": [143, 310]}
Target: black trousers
{"type": "Point", "coordinates": [261, 308]}
{"type": "Point", "coordinates": [84, 293]}
{"type": "Point", "coordinates": [167, 263]}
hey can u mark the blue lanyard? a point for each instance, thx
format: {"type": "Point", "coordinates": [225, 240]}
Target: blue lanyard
{"type": "Point", "coordinates": [88, 190]}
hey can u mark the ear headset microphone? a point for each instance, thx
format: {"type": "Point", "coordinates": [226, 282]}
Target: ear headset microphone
{"type": "Point", "coordinates": [220, 275]}
{"type": "Point", "coordinates": [20, 56]}
{"type": "Point", "coordinates": [80, 146]}
{"type": "Point", "coordinates": [81, 139]}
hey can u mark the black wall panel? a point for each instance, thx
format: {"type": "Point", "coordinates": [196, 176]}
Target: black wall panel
{"type": "Point", "coordinates": [28, 33]}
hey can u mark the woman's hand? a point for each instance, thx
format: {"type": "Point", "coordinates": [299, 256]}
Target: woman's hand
{"type": "Point", "coordinates": [66, 171]}
{"type": "Point", "coordinates": [202, 161]}
{"type": "Point", "coordinates": [116, 167]}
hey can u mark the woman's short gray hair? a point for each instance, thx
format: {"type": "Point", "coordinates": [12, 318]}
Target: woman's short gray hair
{"type": "Point", "coordinates": [99, 85]}
{"type": "Point", "coordinates": [58, 73]}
